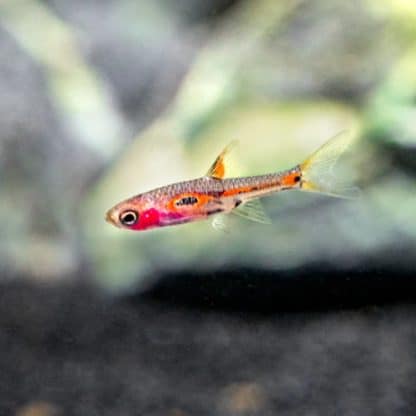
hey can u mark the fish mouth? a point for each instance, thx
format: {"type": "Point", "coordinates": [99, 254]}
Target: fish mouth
{"type": "Point", "coordinates": [109, 217]}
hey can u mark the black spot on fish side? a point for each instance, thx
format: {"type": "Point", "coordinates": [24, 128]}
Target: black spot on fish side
{"type": "Point", "coordinates": [237, 203]}
{"type": "Point", "coordinates": [189, 200]}
{"type": "Point", "coordinates": [297, 178]}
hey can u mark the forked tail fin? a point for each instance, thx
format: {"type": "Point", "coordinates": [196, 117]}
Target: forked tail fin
{"type": "Point", "coordinates": [317, 170]}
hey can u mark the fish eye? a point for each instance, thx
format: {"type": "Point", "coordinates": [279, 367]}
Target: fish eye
{"type": "Point", "coordinates": [129, 217]}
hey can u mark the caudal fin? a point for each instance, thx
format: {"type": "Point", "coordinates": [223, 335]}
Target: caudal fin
{"type": "Point", "coordinates": [317, 170]}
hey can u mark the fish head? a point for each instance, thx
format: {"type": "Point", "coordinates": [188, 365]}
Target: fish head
{"type": "Point", "coordinates": [137, 214]}
{"type": "Point", "coordinates": [163, 207]}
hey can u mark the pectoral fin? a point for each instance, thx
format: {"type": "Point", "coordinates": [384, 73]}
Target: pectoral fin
{"type": "Point", "coordinates": [218, 168]}
{"type": "Point", "coordinates": [219, 223]}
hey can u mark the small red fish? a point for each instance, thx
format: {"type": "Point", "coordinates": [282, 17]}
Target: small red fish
{"type": "Point", "coordinates": [212, 194]}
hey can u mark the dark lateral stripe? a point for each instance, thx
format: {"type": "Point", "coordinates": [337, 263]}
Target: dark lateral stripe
{"type": "Point", "coordinates": [215, 211]}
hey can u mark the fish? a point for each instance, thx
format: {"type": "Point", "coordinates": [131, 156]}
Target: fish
{"type": "Point", "coordinates": [214, 194]}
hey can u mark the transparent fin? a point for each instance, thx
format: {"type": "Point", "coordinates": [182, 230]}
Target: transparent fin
{"type": "Point", "coordinates": [318, 170]}
{"type": "Point", "coordinates": [252, 210]}
{"type": "Point", "coordinates": [218, 168]}
{"type": "Point", "coordinates": [219, 223]}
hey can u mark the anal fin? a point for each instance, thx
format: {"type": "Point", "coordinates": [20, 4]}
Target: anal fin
{"type": "Point", "coordinates": [252, 210]}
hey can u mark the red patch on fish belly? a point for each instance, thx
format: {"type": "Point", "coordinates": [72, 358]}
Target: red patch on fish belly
{"type": "Point", "coordinates": [148, 219]}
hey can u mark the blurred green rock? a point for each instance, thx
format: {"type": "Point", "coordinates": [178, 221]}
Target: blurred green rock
{"type": "Point", "coordinates": [264, 86]}
{"type": "Point", "coordinates": [272, 136]}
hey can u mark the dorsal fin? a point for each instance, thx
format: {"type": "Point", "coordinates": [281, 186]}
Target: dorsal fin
{"type": "Point", "coordinates": [217, 169]}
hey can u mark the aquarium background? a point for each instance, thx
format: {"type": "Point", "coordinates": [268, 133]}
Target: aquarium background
{"type": "Point", "coordinates": [311, 315]}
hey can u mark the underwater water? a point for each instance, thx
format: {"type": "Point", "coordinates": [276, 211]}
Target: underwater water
{"type": "Point", "coordinates": [310, 314]}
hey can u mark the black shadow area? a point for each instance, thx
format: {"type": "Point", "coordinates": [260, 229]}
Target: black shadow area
{"type": "Point", "coordinates": [87, 354]}
{"type": "Point", "coordinates": [316, 288]}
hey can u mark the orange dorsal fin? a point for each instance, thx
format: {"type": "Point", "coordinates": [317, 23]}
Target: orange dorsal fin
{"type": "Point", "coordinates": [218, 168]}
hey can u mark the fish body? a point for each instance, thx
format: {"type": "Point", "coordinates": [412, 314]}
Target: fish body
{"type": "Point", "coordinates": [212, 194]}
